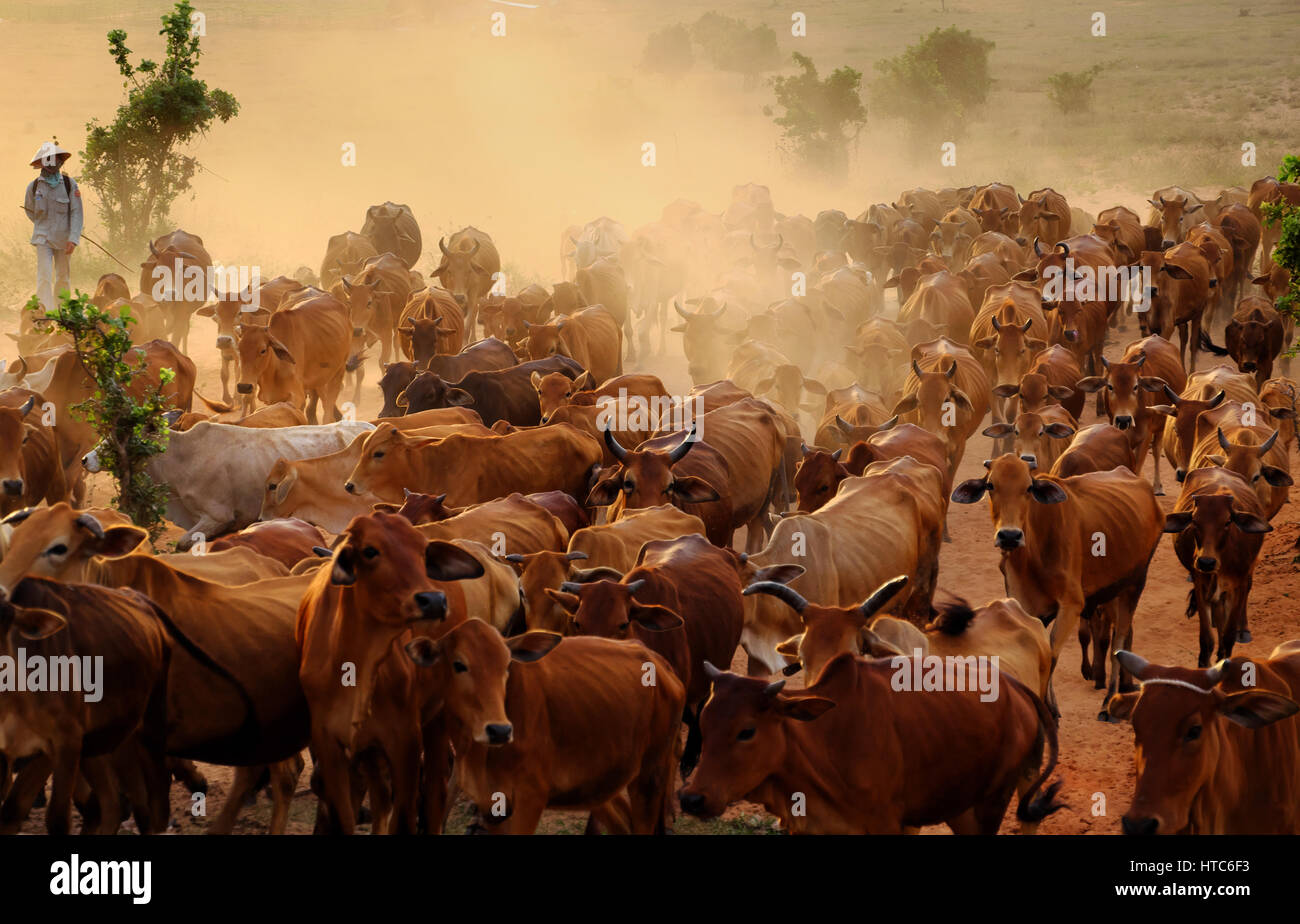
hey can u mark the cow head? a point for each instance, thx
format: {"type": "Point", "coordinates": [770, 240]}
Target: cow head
{"type": "Point", "coordinates": [818, 478]}
{"type": "Point", "coordinates": [645, 478]}
{"type": "Point", "coordinates": [541, 575]}
{"type": "Point", "coordinates": [460, 273]}
{"type": "Point", "coordinates": [1180, 722]}
{"type": "Point", "coordinates": [428, 391]}
{"type": "Point", "coordinates": [1012, 488]}
{"type": "Point", "coordinates": [828, 631]}
{"type": "Point", "coordinates": [1013, 348]}
{"type": "Point", "coordinates": [58, 542]}
{"type": "Point", "coordinates": [554, 391]}
{"type": "Point", "coordinates": [506, 318]}
{"type": "Point", "coordinates": [544, 339]}
{"type": "Point", "coordinates": [229, 311]}
{"type": "Point", "coordinates": [994, 219]}
{"type": "Point", "coordinates": [1033, 437]}
{"type": "Point", "coordinates": [743, 728]}
{"type": "Point", "coordinates": [395, 380]}
{"type": "Point", "coordinates": [470, 668]}
{"type": "Point", "coordinates": [1171, 213]}
{"type": "Point", "coordinates": [261, 357]}
{"type": "Point", "coordinates": [1037, 221]}
{"type": "Point", "coordinates": [1250, 338]}
{"type": "Point", "coordinates": [383, 226]}
{"type": "Point", "coordinates": [428, 337]}
{"type": "Point", "coordinates": [703, 341]}
{"type": "Point", "coordinates": [928, 403]}
{"type": "Point", "coordinates": [1245, 456]}
{"type": "Point", "coordinates": [1034, 391]}
{"type": "Point", "coordinates": [363, 293]}
{"type": "Point", "coordinates": [14, 434]}
{"type": "Point", "coordinates": [1185, 412]}
{"type": "Point", "coordinates": [1213, 525]}
{"type": "Point", "coordinates": [30, 616]}
{"type": "Point", "coordinates": [1126, 390]}
{"type": "Point", "coordinates": [387, 463]}
{"type": "Point", "coordinates": [609, 609]}
{"type": "Point", "coordinates": [420, 508]}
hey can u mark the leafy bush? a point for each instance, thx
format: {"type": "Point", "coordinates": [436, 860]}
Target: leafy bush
{"type": "Point", "coordinates": [934, 84]}
{"type": "Point", "coordinates": [131, 430]}
{"type": "Point", "coordinates": [668, 51]}
{"type": "Point", "coordinates": [133, 165]}
{"type": "Point", "coordinates": [821, 117]}
{"type": "Point", "coordinates": [1287, 252]}
{"type": "Point", "coordinates": [1071, 91]}
{"type": "Point", "coordinates": [733, 45]}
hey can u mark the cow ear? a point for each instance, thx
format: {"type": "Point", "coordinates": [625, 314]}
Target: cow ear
{"type": "Point", "coordinates": [605, 491]}
{"type": "Point", "coordinates": [985, 342]}
{"type": "Point", "coordinates": [459, 397]}
{"type": "Point", "coordinates": [969, 492]}
{"type": "Point", "coordinates": [532, 646]}
{"type": "Point", "coordinates": [781, 574]}
{"type": "Point", "coordinates": [1276, 476]}
{"type": "Point", "coordinates": [1177, 522]}
{"type": "Point", "coordinates": [207, 311]}
{"type": "Point", "coordinates": [1257, 708]}
{"type": "Point", "coordinates": [1036, 344]}
{"type": "Point", "coordinates": [342, 574]}
{"type": "Point", "coordinates": [1176, 271]}
{"type": "Point", "coordinates": [423, 651]}
{"type": "Point", "coordinates": [446, 562]}
{"type": "Point", "coordinates": [1282, 413]}
{"type": "Point", "coordinates": [1249, 523]}
{"type": "Point", "coordinates": [36, 623]}
{"type": "Point", "coordinates": [568, 601]}
{"type": "Point", "coordinates": [693, 490]}
{"type": "Point", "coordinates": [381, 507]}
{"type": "Point", "coordinates": [789, 649]}
{"type": "Point", "coordinates": [1006, 391]}
{"type": "Point", "coordinates": [873, 646]}
{"type": "Point", "coordinates": [285, 484]}
{"type": "Point", "coordinates": [1028, 275]}
{"type": "Point", "coordinates": [1120, 706]}
{"type": "Point", "coordinates": [1167, 409]}
{"type": "Point", "coordinates": [803, 708]}
{"type": "Point", "coordinates": [536, 379]}
{"type": "Point", "coordinates": [1061, 392]}
{"type": "Point", "coordinates": [1059, 431]}
{"type": "Point", "coordinates": [656, 618]}
{"type": "Point", "coordinates": [906, 405]}
{"type": "Point", "coordinates": [999, 430]}
{"type": "Point", "coordinates": [281, 350]}
{"type": "Point", "coordinates": [119, 541]}
{"type": "Point", "coordinates": [1046, 492]}
{"type": "Point", "coordinates": [1090, 384]}
{"type": "Point", "coordinates": [1152, 383]}
{"type": "Point", "coordinates": [961, 399]}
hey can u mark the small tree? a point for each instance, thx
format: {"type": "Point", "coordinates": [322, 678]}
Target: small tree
{"type": "Point", "coordinates": [1071, 92]}
{"type": "Point", "coordinates": [1287, 252]}
{"type": "Point", "coordinates": [134, 165]}
{"type": "Point", "coordinates": [821, 117]}
{"type": "Point", "coordinates": [668, 52]}
{"type": "Point", "coordinates": [734, 45]}
{"type": "Point", "coordinates": [126, 413]}
{"type": "Point", "coordinates": [934, 84]}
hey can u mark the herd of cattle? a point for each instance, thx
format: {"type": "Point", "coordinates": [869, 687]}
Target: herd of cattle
{"type": "Point", "coordinates": [522, 580]}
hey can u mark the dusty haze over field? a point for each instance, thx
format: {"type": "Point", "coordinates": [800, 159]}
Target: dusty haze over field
{"type": "Point", "coordinates": [523, 134]}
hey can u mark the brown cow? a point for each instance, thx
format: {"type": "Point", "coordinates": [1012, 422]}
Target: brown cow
{"type": "Point", "coordinates": [1044, 215]}
{"type": "Point", "coordinates": [30, 468]}
{"type": "Point", "coordinates": [968, 757]}
{"type": "Point", "coordinates": [470, 267]}
{"type": "Point", "coordinates": [943, 299]}
{"type": "Point", "coordinates": [1121, 228]}
{"type": "Point", "coordinates": [996, 206]}
{"type": "Point", "coordinates": [1183, 280]}
{"type": "Point", "coordinates": [1254, 336]}
{"type": "Point", "coordinates": [345, 254]}
{"type": "Point", "coordinates": [1198, 774]}
{"type": "Point", "coordinates": [176, 261]}
{"type": "Point", "coordinates": [946, 393]}
{"type": "Point", "coordinates": [576, 729]}
{"type": "Point", "coordinates": [432, 323]}
{"type": "Point", "coordinates": [1051, 532]}
{"type": "Point", "coordinates": [591, 337]}
{"type": "Point", "coordinates": [287, 541]}
{"type": "Point", "coordinates": [1203, 391]}
{"type": "Point", "coordinates": [682, 600]}
{"type": "Point", "coordinates": [1037, 436]}
{"type": "Point", "coordinates": [1252, 452]}
{"type": "Point", "coordinates": [302, 353]}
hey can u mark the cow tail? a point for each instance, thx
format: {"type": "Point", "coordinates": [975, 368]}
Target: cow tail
{"type": "Point", "coordinates": [1035, 805]}
{"type": "Point", "coordinates": [1208, 345]}
{"type": "Point", "coordinates": [250, 730]}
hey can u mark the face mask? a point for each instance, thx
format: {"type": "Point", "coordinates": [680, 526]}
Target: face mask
{"type": "Point", "coordinates": [51, 178]}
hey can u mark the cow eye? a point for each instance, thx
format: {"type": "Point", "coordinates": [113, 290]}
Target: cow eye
{"type": "Point", "coordinates": [629, 487]}
{"type": "Point", "coordinates": [622, 627]}
{"type": "Point", "coordinates": [746, 734]}
{"type": "Point", "coordinates": [57, 550]}
{"type": "Point", "coordinates": [1192, 733]}
{"type": "Point", "coordinates": [378, 454]}
{"type": "Point", "coordinates": [270, 487]}
{"type": "Point", "coordinates": [459, 667]}
{"type": "Point", "coordinates": [370, 552]}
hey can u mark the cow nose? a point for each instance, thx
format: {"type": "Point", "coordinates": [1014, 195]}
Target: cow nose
{"type": "Point", "coordinates": [1031, 459]}
{"type": "Point", "coordinates": [460, 300]}
{"type": "Point", "coordinates": [13, 486]}
{"type": "Point", "coordinates": [1207, 564]}
{"type": "Point", "coordinates": [1010, 538]}
{"type": "Point", "coordinates": [1248, 367]}
{"type": "Point", "coordinates": [432, 604]}
{"type": "Point", "coordinates": [350, 488]}
{"type": "Point", "coordinates": [546, 418]}
{"type": "Point", "coordinates": [1123, 421]}
{"type": "Point", "coordinates": [1166, 244]}
{"type": "Point", "coordinates": [499, 732]}
{"type": "Point", "coordinates": [1139, 826]}
{"type": "Point", "coordinates": [1072, 335]}
{"type": "Point", "coordinates": [1021, 241]}
{"type": "Point", "coordinates": [358, 331]}
{"type": "Point", "coordinates": [692, 803]}
{"type": "Point", "coordinates": [244, 389]}
{"type": "Point", "coordinates": [1180, 475]}
{"type": "Point", "coordinates": [225, 341]}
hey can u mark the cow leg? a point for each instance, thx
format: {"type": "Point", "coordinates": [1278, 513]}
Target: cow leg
{"type": "Point", "coordinates": [1085, 640]}
{"type": "Point", "coordinates": [614, 817]}
{"type": "Point", "coordinates": [98, 797]}
{"type": "Point", "coordinates": [1200, 599]}
{"type": "Point", "coordinates": [65, 761]}
{"type": "Point", "coordinates": [334, 777]}
{"type": "Point", "coordinates": [28, 783]}
{"type": "Point", "coordinates": [226, 363]}
{"type": "Point", "coordinates": [244, 783]}
{"type": "Point", "coordinates": [1226, 625]}
{"type": "Point", "coordinates": [284, 780]}
{"type": "Point", "coordinates": [329, 396]}
{"type": "Point", "coordinates": [188, 775]}
{"type": "Point", "coordinates": [436, 772]}
{"type": "Point", "coordinates": [371, 767]}
{"type": "Point", "coordinates": [1243, 630]}
{"type": "Point", "coordinates": [403, 771]}
{"type": "Point", "coordinates": [694, 740]}
{"type": "Point", "coordinates": [1157, 450]}
{"type": "Point", "coordinates": [1103, 624]}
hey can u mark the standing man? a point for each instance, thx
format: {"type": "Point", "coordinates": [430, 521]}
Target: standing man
{"type": "Point", "coordinates": [54, 206]}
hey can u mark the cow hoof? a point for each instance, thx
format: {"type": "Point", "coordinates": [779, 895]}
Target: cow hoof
{"type": "Point", "coordinates": [1103, 716]}
{"type": "Point", "coordinates": [1099, 684]}
{"type": "Point", "coordinates": [1159, 492]}
{"type": "Point", "coordinates": [1243, 636]}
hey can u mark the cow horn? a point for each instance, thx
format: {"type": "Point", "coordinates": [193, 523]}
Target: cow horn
{"type": "Point", "coordinates": [997, 325]}
{"type": "Point", "coordinates": [710, 671]}
{"type": "Point", "coordinates": [952, 370]}
{"type": "Point", "coordinates": [1134, 664]}
{"type": "Point", "coordinates": [152, 249]}
{"type": "Point", "coordinates": [1218, 399]}
{"type": "Point", "coordinates": [1142, 357]}
{"type": "Point", "coordinates": [635, 586]}
{"type": "Point", "coordinates": [443, 247]}
{"type": "Point", "coordinates": [1268, 443]}
{"type": "Point", "coordinates": [682, 448]}
{"type": "Point", "coordinates": [1223, 442]}
{"type": "Point", "coordinates": [1215, 674]}
{"type": "Point", "coordinates": [406, 492]}
{"type": "Point", "coordinates": [1038, 251]}
{"type": "Point", "coordinates": [90, 524]}
{"type": "Point", "coordinates": [788, 595]}
{"type": "Point", "coordinates": [1173, 396]}
{"type": "Point", "coordinates": [917, 369]}
{"type": "Point", "coordinates": [718, 313]}
{"type": "Point", "coordinates": [18, 516]}
{"type": "Point", "coordinates": [888, 424]}
{"type": "Point", "coordinates": [682, 311]}
{"type": "Point", "coordinates": [883, 594]}
{"type": "Point", "coordinates": [474, 249]}
{"type": "Point", "coordinates": [1025, 327]}
{"type": "Point", "coordinates": [843, 425]}
{"type": "Point", "coordinates": [27, 406]}
{"type": "Point", "coordinates": [618, 451]}
{"type": "Point", "coordinates": [773, 688]}
{"type": "Point", "coordinates": [780, 241]}
{"type": "Point", "coordinates": [1065, 248]}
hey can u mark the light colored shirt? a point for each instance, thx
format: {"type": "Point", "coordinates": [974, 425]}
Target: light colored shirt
{"type": "Point", "coordinates": [55, 213]}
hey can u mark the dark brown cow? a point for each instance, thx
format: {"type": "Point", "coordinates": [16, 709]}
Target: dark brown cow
{"type": "Point", "coordinates": [496, 394]}
{"type": "Point", "coordinates": [175, 259]}
{"type": "Point", "coordinates": [1215, 749]}
{"type": "Point", "coordinates": [392, 228]}
{"type": "Point", "coordinates": [1183, 282]}
{"type": "Point", "coordinates": [1219, 523]}
{"type": "Point", "coordinates": [288, 540]}
{"type": "Point", "coordinates": [1253, 337]}
{"type": "Point", "coordinates": [30, 468]}
{"type": "Point", "coordinates": [682, 600]}
{"type": "Point", "coordinates": [967, 758]}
